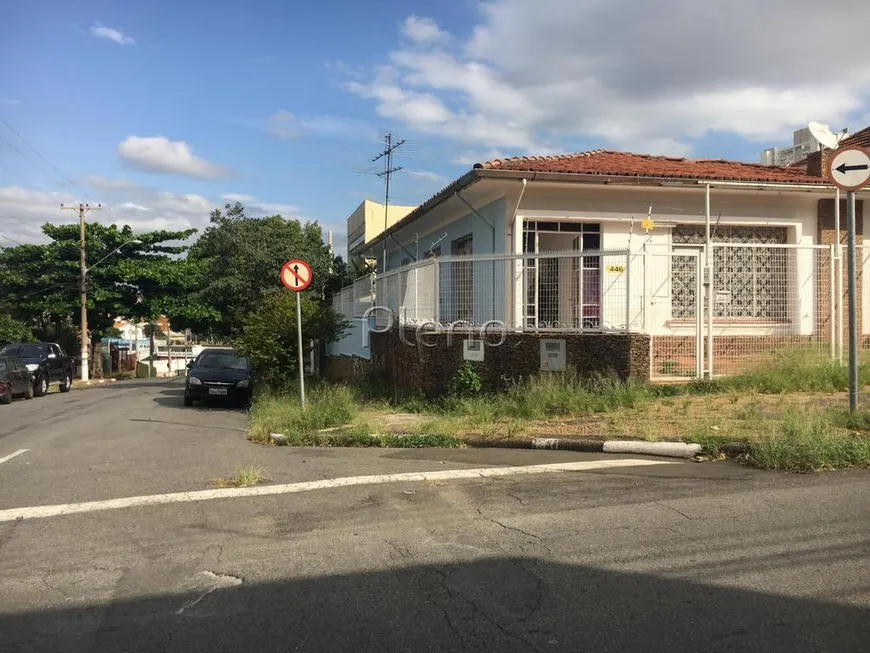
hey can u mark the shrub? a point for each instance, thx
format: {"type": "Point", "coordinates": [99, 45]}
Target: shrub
{"type": "Point", "coordinates": [466, 382]}
{"type": "Point", "coordinates": [269, 335]}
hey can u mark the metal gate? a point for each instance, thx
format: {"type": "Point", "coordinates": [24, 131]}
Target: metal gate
{"type": "Point", "coordinates": [673, 313]}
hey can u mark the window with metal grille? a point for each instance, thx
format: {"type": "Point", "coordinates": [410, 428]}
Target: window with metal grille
{"type": "Point", "coordinates": [751, 281]}
{"type": "Point", "coordinates": [462, 282]}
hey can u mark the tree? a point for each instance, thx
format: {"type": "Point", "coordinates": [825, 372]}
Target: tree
{"type": "Point", "coordinates": [269, 334]}
{"type": "Point", "coordinates": [238, 260]}
{"type": "Point", "coordinates": [11, 330]}
{"type": "Point", "coordinates": [42, 282]}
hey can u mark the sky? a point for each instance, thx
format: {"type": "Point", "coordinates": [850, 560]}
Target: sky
{"type": "Point", "coordinates": [162, 111]}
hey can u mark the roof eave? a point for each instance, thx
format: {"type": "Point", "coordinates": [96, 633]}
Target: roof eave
{"type": "Point", "coordinates": [600, 178]}
{"type": "Point", "coordinates": [477, 174]}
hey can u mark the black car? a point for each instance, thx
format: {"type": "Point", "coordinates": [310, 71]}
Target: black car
{"type": "Point", "coordinates": [219, 374]}
{"type": "Point", "coordinates": [15, 380]}
{"type": "Point", "coordinates": [47, 362]}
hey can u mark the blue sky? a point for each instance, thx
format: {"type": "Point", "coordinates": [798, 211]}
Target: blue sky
{"type": "Point", "coordinates": [160, 109]}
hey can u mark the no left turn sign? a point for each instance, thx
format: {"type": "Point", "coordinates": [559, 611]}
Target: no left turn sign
{"type": "Point", "coordinates": [296, 275]}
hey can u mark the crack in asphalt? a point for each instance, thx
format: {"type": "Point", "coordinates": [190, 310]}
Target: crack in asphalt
{"type": "Point", "coordinates": [537, 539]}
{"type": "Point", "coordinates": [676, 510]}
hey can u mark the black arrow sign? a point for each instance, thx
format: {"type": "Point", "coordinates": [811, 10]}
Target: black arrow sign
{"type": "Point", "coordinates": [296, 276]}
{"type": "Point", "coordinates": [843, 168]}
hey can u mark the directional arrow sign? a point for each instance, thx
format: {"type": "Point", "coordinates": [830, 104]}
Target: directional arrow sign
{"type": "Point", "coordinates": [849, 168]}
{"type": "Point", "coordinates": [296, 275]}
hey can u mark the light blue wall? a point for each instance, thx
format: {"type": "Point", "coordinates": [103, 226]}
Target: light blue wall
{"type": "Point", "coordinates": [469, 223]}
{"type": "Point", "coordinates": [486, 295]}
{"type": "Point", "coordinates": [352, 343]}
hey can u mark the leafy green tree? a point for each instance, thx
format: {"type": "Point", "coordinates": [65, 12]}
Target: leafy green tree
{"type": "Point", "coordinates": [269, 334]}
{"type": "Point", "coordinates": [11, 330]}
{"type": "Point", "coordinates": [131, 279]}
{"type": "Point", "coordinates": [239, 258]}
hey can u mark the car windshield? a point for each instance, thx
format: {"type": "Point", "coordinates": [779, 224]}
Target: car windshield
{"type": "Point", "coordinates": [225, 361]}
{"type": "Point", "coordinates": [3, 366]}
{"type": "Point", "coordinates": [25, 351]}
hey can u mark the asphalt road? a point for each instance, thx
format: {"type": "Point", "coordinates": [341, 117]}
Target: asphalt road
{"type": "Point", "coordinates": [677, 557]}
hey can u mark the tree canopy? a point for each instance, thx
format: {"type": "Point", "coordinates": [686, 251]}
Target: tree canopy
{"type": "Point", "coordinates": [133, 275]}
{"type": "Point", "coordinates": [239, 259]}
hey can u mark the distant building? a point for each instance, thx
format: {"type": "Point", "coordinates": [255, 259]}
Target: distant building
{"type": "Point", "coordinates": [369, 221]}
{"type": "Point", "coordinates": [804, 143]}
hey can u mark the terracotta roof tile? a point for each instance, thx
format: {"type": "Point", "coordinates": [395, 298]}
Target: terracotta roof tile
{"type": "Point", "coordinates": [861, 138]}
{"type": "Point", "coordinates": [626, 164]}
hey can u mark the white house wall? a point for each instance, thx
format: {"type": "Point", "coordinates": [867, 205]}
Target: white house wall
{"type": "Point", "coordinates": [620, 210]}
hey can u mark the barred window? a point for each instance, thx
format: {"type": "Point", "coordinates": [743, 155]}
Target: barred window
{"type": "Point", "coordinates": [750, 282]}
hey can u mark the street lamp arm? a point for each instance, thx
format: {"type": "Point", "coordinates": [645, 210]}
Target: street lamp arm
{"type": "Point", "coordinates": [112, 253]}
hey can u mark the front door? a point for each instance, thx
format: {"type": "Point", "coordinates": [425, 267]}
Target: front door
{"type": "Point", "coordinates": [586, 288]}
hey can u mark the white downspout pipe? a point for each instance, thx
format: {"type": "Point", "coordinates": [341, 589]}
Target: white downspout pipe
{"type": "Point", "coordinates": [708, 281]}
{"type": "Point", "coordinates": [516, 275]}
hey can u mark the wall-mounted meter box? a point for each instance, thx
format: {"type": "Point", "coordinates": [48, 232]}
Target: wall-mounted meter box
{"type": "Point", "coordinates": [472, 350]}
{"type": "Point", "coordinates": [553, 358]}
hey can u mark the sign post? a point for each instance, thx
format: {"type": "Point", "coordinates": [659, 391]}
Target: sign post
{"type": "Point", "coordinates": [296, 275]}
{"type": "Point", "coordinates": [849, 170]}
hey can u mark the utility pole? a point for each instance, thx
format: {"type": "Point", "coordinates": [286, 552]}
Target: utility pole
{"type": "Point", "coordinates": [83, 271]}
{"type": "Point", "coordinates": [386, 175]}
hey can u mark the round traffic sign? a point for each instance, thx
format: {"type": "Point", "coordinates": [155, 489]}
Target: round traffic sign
{"type": "Point", "coordinates": [849, 168]}
{"type": "Point", "coordinates": [296, 275]}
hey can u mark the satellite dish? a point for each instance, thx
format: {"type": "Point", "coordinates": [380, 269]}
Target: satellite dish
{"type": "Point", "coordinates": [824, 135]}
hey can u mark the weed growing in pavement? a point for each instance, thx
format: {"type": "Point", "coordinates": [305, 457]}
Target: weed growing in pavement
{"type": "Point", "coordinates": [244, 477]}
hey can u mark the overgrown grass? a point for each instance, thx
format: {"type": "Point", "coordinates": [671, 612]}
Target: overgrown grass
{"type": "Point", "coordinates": [780, 432]}
{"type": "Point", "coordinates": [244, 477]}
{"type": "Point", "coordinates": [327, 406]}
{"type": "Point", "coordinates": [804, 443]}
{"type": "Point", "coordinates": [792, 372]}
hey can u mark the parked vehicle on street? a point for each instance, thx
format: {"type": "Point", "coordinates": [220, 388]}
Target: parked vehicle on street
{"type": "Point", "coordinates": [219, 374]}
{"type": "Point", "coordinates": [47, 362]}
{"type": "Point", "coordinates": [15, 380]}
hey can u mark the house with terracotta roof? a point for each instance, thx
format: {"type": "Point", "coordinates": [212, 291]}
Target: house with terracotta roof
{"type": "Point", "coordinates": [651, 266]}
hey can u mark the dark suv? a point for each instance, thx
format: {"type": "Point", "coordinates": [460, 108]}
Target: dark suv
{"type": "Point", "coordinates": [47, 362]}
{"type": "Point", "coordinates": [219, 374]}
{"type": "Point", "coordinates": [15, 380]}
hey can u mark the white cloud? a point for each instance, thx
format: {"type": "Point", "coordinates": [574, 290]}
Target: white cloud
{"type": "Point", "coordinates": [101, 32]}
{"type": "Point", "coordinates": [282, 125]}
{"type": "Point", "coordinates": [24, 211]}
{"type": "Point", "coordinates": [422, 30]}
{"type": "Point", "coordinates": [159, 154]}
{"type": "Point", "coordinates": [426, 175]}
{"type": "Point", "coordinates": [631, 74]}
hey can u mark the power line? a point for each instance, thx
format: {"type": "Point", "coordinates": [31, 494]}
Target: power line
{"type": "Point", "coordinates": [11, 240]}
{"type": "Point", "coordinates": [68, 181]}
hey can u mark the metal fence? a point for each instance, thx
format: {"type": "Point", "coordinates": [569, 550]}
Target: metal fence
{"type": "Point", "coordinates": [734, 310]}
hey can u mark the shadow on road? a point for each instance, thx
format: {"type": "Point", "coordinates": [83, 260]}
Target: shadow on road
{"type": "Point", "coordinates": [174, 398]}
{"type": "Point", "coordinates": [506, 604]}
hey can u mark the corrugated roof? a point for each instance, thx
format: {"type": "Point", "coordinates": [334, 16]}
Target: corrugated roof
{"type": "Point", "coordinates": [608, 163]}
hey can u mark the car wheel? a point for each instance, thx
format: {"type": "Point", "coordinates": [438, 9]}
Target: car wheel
{"type": "Point", "coordinates": [29, 393]}
{"type": "Point", "coordinates": [188, 401]}
{"type": "Point", "coordinates": [6, 397]}
{"type": "Point", "coordinates": [66, 385]}
{"type": "Point", "coordinates": [40, 388]}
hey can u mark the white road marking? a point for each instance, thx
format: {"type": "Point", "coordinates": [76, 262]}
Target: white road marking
{"type": "Point", "coordinates": [12, 455]}
{"type": "Point", "coordinates": [41, 512]}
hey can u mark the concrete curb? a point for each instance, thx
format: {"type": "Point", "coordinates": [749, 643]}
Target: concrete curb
{"type": "Point", "coordinates": [665, 449]}
{"type": "Point", "coordinates": [639, 447]}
